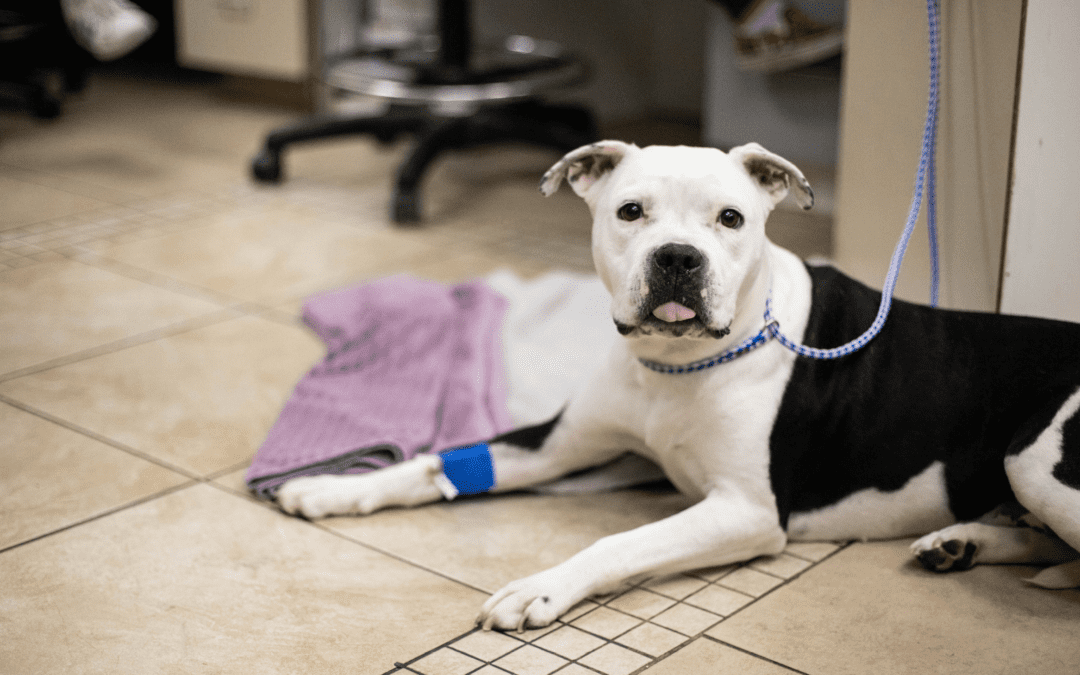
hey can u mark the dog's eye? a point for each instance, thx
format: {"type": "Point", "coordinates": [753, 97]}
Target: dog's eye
{"type": "Point", "coordinates": [730, 218]}
{"type": "Point", "coordinates": [630, 211]}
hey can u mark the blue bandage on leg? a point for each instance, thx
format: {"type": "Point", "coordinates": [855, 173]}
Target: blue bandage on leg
{"type": "Point", "coordinates": [466, 471]}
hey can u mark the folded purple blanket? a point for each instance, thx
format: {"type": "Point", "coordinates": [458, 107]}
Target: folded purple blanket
{"type": "Point", "coordinates": [411, 366]}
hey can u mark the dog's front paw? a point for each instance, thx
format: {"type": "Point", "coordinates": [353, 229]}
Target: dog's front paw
{"type": "Point", "coordinates": [319, 496]}
{"type": "Point", "coordinates": [532, 602]}
{"type": "Point", "coordinates": [945, 551]}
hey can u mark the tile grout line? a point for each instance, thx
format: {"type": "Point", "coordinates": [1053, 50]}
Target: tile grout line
{"type": "Point", "coordinates": [755, 655]}
{"type": "Point", "coordinates": [449, 644]}
{"type": "Point", "coordinates": [71, 426]}
{"type": "Point", "coordinates": [214, 475]}
{"type": "Point", "coordinates": [104, 514]}
{"type": "Point", "coordinates": [210, 481]}
{"type": "Point", "coordinates": [91, 258]}
{"type": "Point", "coordinates": [703, 635]}
{"type": "Point", "coordinates": [754, 601]}
{"type": "Point", "coordinates": [171, 330]}
{"type": "Point", "coordinates": [376, 549]}
{"type": "Point", "coordinates": [49, 237]}
{"type": "Point", "coordinates": [192, 481]}
{"type": "Point", "coordinates": [261, 309]}
{"type": "Point", "coordinates": [25, 170]}
{"type": "Point", "coordinates": [564, 624]}
{"type": "Point", "coordinates": [400, 667]}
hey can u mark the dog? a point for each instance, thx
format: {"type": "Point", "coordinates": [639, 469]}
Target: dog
{"type": "Point", "coordinates": [959, 427]}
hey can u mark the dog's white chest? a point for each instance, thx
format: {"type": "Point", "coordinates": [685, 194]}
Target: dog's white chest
{"type": "Point", "coordinates": [705, 433]}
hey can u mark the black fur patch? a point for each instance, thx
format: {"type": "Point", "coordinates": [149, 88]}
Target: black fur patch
{"type": "Point", "coordinates": [951, 556]}
{"type": "Point", "coordinates": [1068, 469]}
{"type": "Point", "coordinates": [530, 438]}
{"type": "Point", "coordinates": [934, 559]}
{"type": "Point", "coordinates": [935, 385]}
{"type": "Point", "coordinates": [592, 165]}
{"type": "Point", "coordinates": [771, 176]}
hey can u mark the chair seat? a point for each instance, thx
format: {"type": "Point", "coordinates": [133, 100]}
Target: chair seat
{"type": "Point", "coordinates": [520, 68]}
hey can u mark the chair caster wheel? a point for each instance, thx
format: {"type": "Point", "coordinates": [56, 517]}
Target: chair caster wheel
{"type": "Point", "coordinates": [266, 167]}
{"type": "Point", "coordinates": [406, 209]}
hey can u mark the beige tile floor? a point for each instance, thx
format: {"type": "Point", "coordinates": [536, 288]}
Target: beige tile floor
{"type": "Point", "coordinates": [148, 337]}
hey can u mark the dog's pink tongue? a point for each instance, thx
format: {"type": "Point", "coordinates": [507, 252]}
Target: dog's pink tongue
{"type": "Point", "coordinates": [673, 311]}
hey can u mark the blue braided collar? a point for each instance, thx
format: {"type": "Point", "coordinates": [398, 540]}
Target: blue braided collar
{"type": "Point", "coordinates": [748, 345]}
{"type": "Point", "coordinates": [771, 331]}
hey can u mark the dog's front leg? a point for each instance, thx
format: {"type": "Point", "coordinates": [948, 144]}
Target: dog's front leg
{"type": "Point", "coordinates": [519, 459]}
{"type": "Point", "coordinates": [716, 531]}
{"type": "Point", "coordinates": [410, 483]}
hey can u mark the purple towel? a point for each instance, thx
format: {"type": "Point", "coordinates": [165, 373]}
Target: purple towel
{"type": "Point", "coordinates": [411, 366]}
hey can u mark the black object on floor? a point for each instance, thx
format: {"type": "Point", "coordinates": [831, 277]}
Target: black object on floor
{"type": "Point", "coordinates": [39, 61]}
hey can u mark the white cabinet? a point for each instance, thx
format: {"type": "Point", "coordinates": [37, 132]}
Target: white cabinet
{"type": "Point", "coordinates": [1007, 210]}
{"type": "Point", "coordinates": [264, 38]}
{"type": "Point", "coordinates": [886, 81]}
{"type": "Point", "coordinates": [1042, 252]}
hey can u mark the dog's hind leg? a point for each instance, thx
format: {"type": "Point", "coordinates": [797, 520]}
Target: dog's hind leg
{"type": "Point", "coordinates": [1045, 476]}
{"type": "Point", "coordinates": [1009, 534]}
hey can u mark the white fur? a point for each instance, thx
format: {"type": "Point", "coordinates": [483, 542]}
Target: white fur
{"type": "Point", "coordinates": [921, 505]}
{"type": "Point", "coordinates": [1058, 505]}
{"type": "Point", "coordinates": [1030, 473]}
{"type": "Point", "coordinates": [407, 484]}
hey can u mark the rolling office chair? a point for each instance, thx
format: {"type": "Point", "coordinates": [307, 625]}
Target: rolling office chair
{"type": "Point", "coordinates": [449, 96]}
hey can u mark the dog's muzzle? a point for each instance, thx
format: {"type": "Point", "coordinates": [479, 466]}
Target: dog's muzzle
{"type": "Point", "coordinates": [675, 301]}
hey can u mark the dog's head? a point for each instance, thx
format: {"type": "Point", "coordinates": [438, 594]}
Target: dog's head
{"type": "Point", "coordinates": [678, 232]}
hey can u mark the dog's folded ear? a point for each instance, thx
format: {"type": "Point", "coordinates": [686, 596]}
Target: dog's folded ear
{"type": "Point", "coordinates": [583, 167]}
{"type": "Point", "coordinates": [774, 174]}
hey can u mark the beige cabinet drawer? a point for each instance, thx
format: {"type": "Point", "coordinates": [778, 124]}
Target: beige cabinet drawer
{"type": "Point", "coordinates": [266, 38]}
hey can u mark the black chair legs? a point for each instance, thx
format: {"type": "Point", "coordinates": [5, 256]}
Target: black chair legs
{"type": "Point", "coordinates": [495, 92]}
{"type": "Point", "coordinates": [559, 127]}
{"type": "Point", "coordinates": [266, 165]}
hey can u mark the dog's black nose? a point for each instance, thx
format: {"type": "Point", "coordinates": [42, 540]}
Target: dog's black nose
{"type": "Point", "coordinates": [677, 258]}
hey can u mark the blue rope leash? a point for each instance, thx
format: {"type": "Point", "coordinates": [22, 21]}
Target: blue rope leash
{"type": "Point", "coordinates": [931, 175]}
{"type": "Point", "coordinates": [926, 166]}
{"type": "Point", "coordinates": [925, 176]}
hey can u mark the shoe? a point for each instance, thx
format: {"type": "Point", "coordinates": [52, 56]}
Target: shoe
{"type": "Point", "coordinates": [773, 37]}
{"type": "Point", "coordinates": [108, 29]}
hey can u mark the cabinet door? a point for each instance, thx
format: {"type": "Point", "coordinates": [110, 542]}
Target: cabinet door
{"type": "Point", "coordinates": [266, 38]}
{"type": "Point", "coordinates": [1042, 248]}
{"type": "Point", "coordinates": [886, 79]}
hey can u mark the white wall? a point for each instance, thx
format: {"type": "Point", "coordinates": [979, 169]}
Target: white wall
{"type": "Point", "coordinates": [646, 55]}
{"type": "Point", "coordinates": [796, 115]}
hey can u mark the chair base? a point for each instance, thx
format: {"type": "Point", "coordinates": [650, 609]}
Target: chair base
{"type": "Point", "coordinates": [560, 127]}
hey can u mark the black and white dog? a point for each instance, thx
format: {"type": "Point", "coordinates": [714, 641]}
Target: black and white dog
{"type": "Point", "coordinates": [963, 425]}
